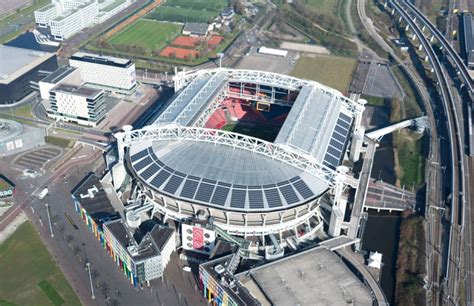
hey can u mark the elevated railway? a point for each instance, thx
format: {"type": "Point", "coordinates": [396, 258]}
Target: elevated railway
{"type": "Point", "coordinates": [455, 160]}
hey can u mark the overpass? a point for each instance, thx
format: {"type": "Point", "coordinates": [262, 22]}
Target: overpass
{"type": "Point", "coordinates": [456, 162]}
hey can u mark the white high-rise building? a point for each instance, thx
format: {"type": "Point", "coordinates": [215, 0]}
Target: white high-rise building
{"type": "Point", "coordinates": [106, 72]}
{"type": "Point", "coordinates": [67, 17]}
{"type": "Point", "coordinates": [78, 104]}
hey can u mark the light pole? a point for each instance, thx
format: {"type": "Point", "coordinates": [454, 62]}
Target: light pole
{"type": "Point", "coordinates": [49, 220]}
{"type": "Point", "coordinates": [88, 264]}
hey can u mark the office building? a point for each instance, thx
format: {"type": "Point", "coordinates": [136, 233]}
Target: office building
{"type": "Point", "coordinates": [68, 75]}
{"type": "Point", "coordinates": [68, 17]}
{"type": "Point", "coordinates": [20, 69]}
{"type": "Point", "coordinates": [467, 40]}
{"type": "Point", "coordinates": [106, 72]}
{"type": "Point", "coordinates": [77, 104]}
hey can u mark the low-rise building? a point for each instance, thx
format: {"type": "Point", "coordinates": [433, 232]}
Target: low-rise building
{"type": "Point", "coordinates": [77, 104]}
{"type": "Point", "coordinates": [20, 69]}
{"type": "Point", "coordinates": [196, 29]}
{"type": "Point", "coordinates": [106, 72]}
{"type": "Point", "coordinates": [141, 261]}
{"type": "Point", "coordinates": [227, 14]}
{"type": "Point", "coordinates": [142, 258]}
{"type": "Point", "coordinates": [313, 277]}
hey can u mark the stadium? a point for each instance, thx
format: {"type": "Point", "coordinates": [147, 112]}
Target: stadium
{"type": "Point", "coordinates": [254, 150]}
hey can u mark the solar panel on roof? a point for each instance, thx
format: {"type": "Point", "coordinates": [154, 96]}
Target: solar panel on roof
{"type": "Point", "coordinates": [341, 130]}
{"type": "Point", "coordinates": [254, 187]}
{"type": "Point", "coordinates": [334, 152]}
{"type": "Point", "coordinates": [142, 164]}
{"type": "Point", "coordinates": [239, 186]}
{"type": "Point", "coordinates": [345, 117]}
{"type": "Point", "coordinates": [139, 155]}
{"type": "Point", "coordinates": [294, 179]}
{"type": "Point", "coordinates": [197, 178]}
{"type": "Point", "coordinates": [224, 184]}
{"type": "Point", "coordinates": [204, 192]}
{"type": "Point", "coordinates": [273, 198]}
{"type": "Point", "coordinates": [336, 144]}
{"type": "Point", "coordinates": [220, 195]}
{"type": "Point", "coordinates": [331, 161]}
{"type": "Point", "coordinates": [238, 198]}
{"type": "Point", "coordinates": [289, 194]}
{"type": "Point", "coordinates": [150, 171]}
{"type": "Point", "coordinates": [343, 124]}
{"type": "Point", "coordinates": [169, 169]}
{"type": "Point", "coordinates": [255, 199]}
{"type": "Point", "coordinates": [303, 189]}
{"type": "Point", "coordinates": [189, 189]}
{"type": "Point", "coordinates": [339, 137]}
{"type": "Point", "coordinates": [160, 178]}
{"type": "Point", "coordinates": [173, 184]}
{"type": "Point", "coordinates": [180, 173]}
{"type": "Point", "coordinates": [269, 186]}
{"type": "Point", "coordinates": [209, 181]}
{"type": "Point", "coordinates": [282, 183]}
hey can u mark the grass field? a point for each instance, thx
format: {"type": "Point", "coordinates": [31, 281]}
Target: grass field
{"type": "Point", "coordinates": [148, 34]}
{"type": "Point", "coordinates": [180, 14]}
{"type": "Point", "coordinates": [29, 275]}
{"type": "Point", "coordinates": [23, 111]}
{"type": "Point", "coordinates": [323, 6]}
{"type": "Point", "coordinates": [332, 71]}
{"type": "Point", "coordinates": [58, 141]}
{"type": "Point", "coordinates": [259, 131]}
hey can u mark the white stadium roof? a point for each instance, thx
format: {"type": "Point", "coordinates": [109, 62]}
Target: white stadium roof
{"type": "Point", "coordinates": [178, 157]}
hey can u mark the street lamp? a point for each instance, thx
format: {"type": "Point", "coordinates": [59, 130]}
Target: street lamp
{"type": "Point", "coordinates": [88, 264]}
{"type": "Point", "coordinates": [49, 220]}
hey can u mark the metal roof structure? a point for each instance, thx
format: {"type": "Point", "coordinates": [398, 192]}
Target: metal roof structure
{"type": "Point", "coordinates": [15, 62]}
{"type": "Point", "coordinates": [176, 156]}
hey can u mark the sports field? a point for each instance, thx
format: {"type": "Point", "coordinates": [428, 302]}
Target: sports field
{"type": "Point", "coordinates": [148, 34]}
{"type": "Point", "coordinates": [332, 71]}
{"type": "Point", "coordinates": [188, 10]}
{"type": "Point", "coordinates": [28, 274]}
{"type": "Point", "coordinates": [260, 131]}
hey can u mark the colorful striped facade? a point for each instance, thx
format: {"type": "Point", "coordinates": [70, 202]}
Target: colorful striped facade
{"type": "Point", "coordinates": [212, 291]}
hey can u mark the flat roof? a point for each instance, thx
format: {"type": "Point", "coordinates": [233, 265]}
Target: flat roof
{"type": "Point", "coordinates": [15, 62]}
{"type": "Point", "coordinates": [77, 90]}
{"type": "Point", "coordinates": [91, 195]}
{"type": "Point", "coordinates": [101, 59]}
{"type": "Point", "coordinates": [58, 75]}
{"type": "Point", "coordinates": [150, 246]}
{"type": "Point", "coordinates": [196, 27]}
{"type": "Point", "coordinates": [314, 277]}
{"type": "Point", "coordinates": [239, 293]}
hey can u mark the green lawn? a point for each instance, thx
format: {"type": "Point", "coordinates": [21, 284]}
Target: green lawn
{"type": "Point", "coordinates": [148, 34]}
{"type": "Point", "coordinates": [181, 14]}
{"type": "Point", "coordinates": [29, 275]}
{"type": "Point", "coordinates": [59, 141]}
{"type": "Point", "coordinates": [27, 22]}
{"type": "Point", "coordinates": [323, 6]}
{"type": "Point", "coordinates": [215, 5]}
{"type": "Point", "coordinates": [332, 71]}
{"type": "Point", "coordinates": [23, 111]}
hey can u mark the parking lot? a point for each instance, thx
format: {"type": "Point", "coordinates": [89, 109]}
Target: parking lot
{"type": "Point", "coordinates": [37, 159]}
{"type": "Point", "coordinates": [256, 61]}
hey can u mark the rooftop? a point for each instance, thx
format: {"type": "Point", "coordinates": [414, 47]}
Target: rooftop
{"type": "Point", "coordinates": [58, 75]}
{"type": "Point", "coordinates": [313, 277]}
{"type": "Point", "coordinates": [91, 195]}
{"type": "Point", "coordinates": [151, 245]}
{"type": "Point", "coordinates": [77, 90]}
{"type": "Point", "coordinates": [101, 59]}
{"type": "Point", "coordinates": [14, 62]}
{"type": "Point", "coordinates": [233, 288]}
{"type": "Point", "coordinates": [196, 28]}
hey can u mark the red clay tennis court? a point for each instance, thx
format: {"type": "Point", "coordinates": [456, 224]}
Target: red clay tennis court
{"type": "Point", "coordinates": [185, 41]}
{"type": "Point", "coordinates": [178, 52]}
{"type": "Point", "coordinates": [215, 40]}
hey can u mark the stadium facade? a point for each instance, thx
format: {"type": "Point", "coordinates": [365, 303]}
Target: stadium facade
{"type": "Point", "coordinates": [256, 152]}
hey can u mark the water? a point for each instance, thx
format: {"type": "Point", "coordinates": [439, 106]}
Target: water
{"type": "Point", "coordinates": [382, 233]}
{"type": "Point", "coordinates": [384, 163]}
{"type": "Point", "coordinates": [27, 40]}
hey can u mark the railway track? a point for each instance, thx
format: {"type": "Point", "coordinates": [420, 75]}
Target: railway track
{"type": "Point", "coordinates": [455, 160]}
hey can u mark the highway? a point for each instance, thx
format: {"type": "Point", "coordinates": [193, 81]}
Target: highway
{"type": "Point", "coordinates": [456, 162]}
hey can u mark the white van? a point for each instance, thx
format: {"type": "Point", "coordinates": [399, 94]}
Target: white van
{"type": "Point", "coordinates": [186, 269]}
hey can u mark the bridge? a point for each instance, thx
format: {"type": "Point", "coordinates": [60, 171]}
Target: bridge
{"type": "Point", "coordinates": [409, 14]}
{"type": "Point", "coordinates": [419, 123]}
{"type": "Point", "coordinates": [384, 196]}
